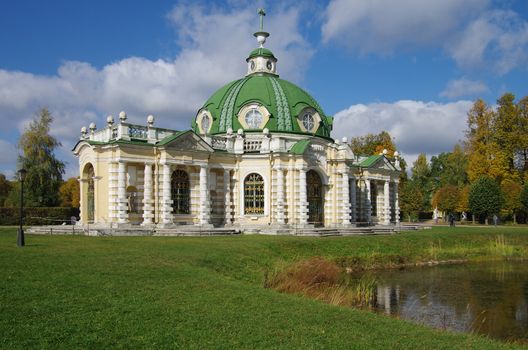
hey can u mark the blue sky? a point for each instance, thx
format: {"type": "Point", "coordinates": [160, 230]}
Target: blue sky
{"type": "Point", "coordinates": [411, 67]}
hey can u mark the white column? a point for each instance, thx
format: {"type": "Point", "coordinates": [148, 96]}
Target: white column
{"type": "Point", "coordinates": [205, 205]}
{"type": "Point", "coordinates": [227, 198]}
{"type": "Point", "coordinates": [345, 211]}
{"type": "Point", "coordinates": [396, 203]}
{"type": "Point", "coordinates": [386, 203]}
{"type": "Point", "coordinates": [303, 199]}
{"type": "Point", "coordinates": [368, 202]}
{"type": "Point", "coordinates": [353, 211]}
{"type": "Point", "coordinates": [166, 200]}
{"type": "Point", "coordinates": [122, 203]}
{"type": "Point", "coordinates": [279, 205]}
{"type": "Point", "coordinates": [148, 208]}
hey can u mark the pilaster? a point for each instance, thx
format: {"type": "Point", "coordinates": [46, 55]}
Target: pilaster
{"type": "Point", "coordinates": [302, 205]}
{"type": "Point", "coordinates": [148, 207]}
{"type": "Point", "coordinates": [227, 198]}
{"type": "Point", "coordinates": [345, 211]}
{"type": "Point", "coordinates": [122, 204]}
{"type": "Point", "coordinates": [279, 205]}
{"type": "Point", "coordinates": [166, 200]}
{"type": "Point", "coordinates": [353, 191]}
{"type": "Point", "coordinates": [205, 203]}
{"type": "Point", "coordinates": [386, 203]}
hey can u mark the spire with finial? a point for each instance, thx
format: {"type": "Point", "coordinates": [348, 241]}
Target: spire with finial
{"type": "Point", "coordinates": [261, 60]}
{"type": "Point", "coordinates": [261, 35]}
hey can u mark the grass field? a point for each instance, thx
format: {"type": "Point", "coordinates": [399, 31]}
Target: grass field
{"type": "Point", "coordinates": [207, 292]}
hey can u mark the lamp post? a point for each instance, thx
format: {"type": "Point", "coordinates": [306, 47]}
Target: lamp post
{"type": "Point", "coordinates": [22, 175]}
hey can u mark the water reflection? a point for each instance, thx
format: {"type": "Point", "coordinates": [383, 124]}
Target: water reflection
{"type": "Point", "coordinates": [487, 298]}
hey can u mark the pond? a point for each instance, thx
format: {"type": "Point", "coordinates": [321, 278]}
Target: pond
{"type": "Point", "coordinates": [485, 298]}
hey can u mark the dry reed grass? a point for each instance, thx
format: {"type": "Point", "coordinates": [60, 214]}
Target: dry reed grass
{"type": "Point", "coordinates": [324, 280]}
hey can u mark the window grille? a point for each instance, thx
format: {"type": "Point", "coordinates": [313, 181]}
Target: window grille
{"type": "Point", "coordinates": [254, 195]}
{"type": "Point", "coordinates": [180, 192]}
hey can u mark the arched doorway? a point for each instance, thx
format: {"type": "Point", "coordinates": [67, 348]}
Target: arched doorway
{"type": "Point", "coordinates": [315, 196]}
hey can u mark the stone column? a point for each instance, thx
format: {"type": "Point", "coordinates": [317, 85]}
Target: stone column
{"type": "Point", "coordinates": [386, 203]}
{"type": "Point", "coordinates": [227, 198]}
{"type": "Point", "coordinates": [303, 198]}
{"type": "Point", "coordinates": [205, 203]}
{"type": "Point", "coordinates": [368, 202]}
{"type": "Point", "coordinates": [148, 215]}
{"type": "Point", "coordinates": [396, 203]}
{"type": "Point", "coordinates": [166, 198]}
{"type": "Point", "coordinates": [345, 211]}
{"type": "Point", "coordinates": [122, 203]}
{"type": "Point", "coordinates": [353, 209]}
{"type": "Point", "coordinates": [279, 205]}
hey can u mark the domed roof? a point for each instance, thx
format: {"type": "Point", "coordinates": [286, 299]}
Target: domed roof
{"type": "Point", "coordinates": [262, 101]}
{"type": "Point", "coordinates": [286, 105]}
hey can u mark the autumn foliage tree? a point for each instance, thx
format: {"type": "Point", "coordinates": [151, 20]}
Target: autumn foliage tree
{"type": "Point", "coordinates": [512, 198]}
{"type": "Point", "coordinates": [411, 199]}
{"type": "Point", "coordinates": [69, 193]}
{"type": "Point", "coordinates": [447, 198]}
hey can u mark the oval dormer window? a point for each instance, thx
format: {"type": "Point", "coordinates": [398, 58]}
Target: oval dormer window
{"type": "Point", "coordinates": [206, 123]}
{"type": "Point", "coordinates": [308, 121]}
{"type": "Point", "coordinates": [269, 65]}
{"type": "Point", "coordinates": [253, 118]}
{"type": "Point", "coordinates": [252, 65]}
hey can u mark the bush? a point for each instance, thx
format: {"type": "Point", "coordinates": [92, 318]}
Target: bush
{"type": "Point", "coordinates": [34, 216]}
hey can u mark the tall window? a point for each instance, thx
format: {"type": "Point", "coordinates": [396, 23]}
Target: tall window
{"type": "Point", "coordinates": [180, 193]}
{"type": "Point", "coordinates": [254, 194]}
{"type": "Point", "coordinates": [91, 193]}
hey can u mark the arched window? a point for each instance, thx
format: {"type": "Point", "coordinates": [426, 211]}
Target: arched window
{"type": "Point", "coordinates": [91, 192]}
{"type": "Point", "coordinates": [254, 194]}
{"type": "Point", "coordinates": [180, 193]}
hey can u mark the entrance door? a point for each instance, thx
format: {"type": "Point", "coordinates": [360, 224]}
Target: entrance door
{"type": "Point", "coordinates": [315, 194]}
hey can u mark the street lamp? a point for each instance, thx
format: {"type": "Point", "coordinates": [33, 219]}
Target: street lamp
{"type": "Point", "coordinates": [22, 175]}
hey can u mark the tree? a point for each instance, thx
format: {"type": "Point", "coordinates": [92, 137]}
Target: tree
{"type": "Point", "coordinates": [69, 193]}
{"type": "Point", "coordinates": [44, 170]}
{"type": "Point", "coordinates": [411, 199]}
{"type": "Point", "coordinates": [511, 192]}
{"type": "Point", "coordinates": [449, 168]}
{"type": "Point", "coordinates": [447, 198]}
{"type": "Point", "coordinates": [463, 200]}
{"type": "Point", "coordinates": [421, 177]}
{"type": "Point", "coordinates": [524, 197]}
{"type": "Point", "coordinates": [373, 144]}
{"type": "Point", "coordinates": [485, 197]}
{"type": "Point", "coordinates": [5, 187]}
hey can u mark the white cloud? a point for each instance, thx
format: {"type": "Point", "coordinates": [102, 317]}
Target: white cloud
{"type": "Point", "coordinates": [381, 26]}
{"type": "Point", "coordinates": [498, 39]}
{"type": "Point", "coordinates": [214, 44]}
{"type": "Point", "coordinates": [472, 32]}
{"type": "Point", "coordinates": [463, 87]}
{"type": "Point", "coordinates": [416, 126]}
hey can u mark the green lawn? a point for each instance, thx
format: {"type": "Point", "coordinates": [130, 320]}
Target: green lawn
{"type": "Point", "coordinates": [207, 292]}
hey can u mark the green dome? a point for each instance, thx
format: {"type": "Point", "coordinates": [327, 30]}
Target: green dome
{"type": "Point", "coordinates": [284, 101]}
{"type": "Point", "coordinates": [261, 52]}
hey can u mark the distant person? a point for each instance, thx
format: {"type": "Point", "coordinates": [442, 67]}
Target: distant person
{"type": "Point", "coordinates": [451, 220]}
{"type": "Point", "coordinates": [495, 219]}
{"type": "Point", "coordinates": [464, 216]}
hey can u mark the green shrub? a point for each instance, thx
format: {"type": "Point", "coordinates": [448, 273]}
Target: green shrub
{"type": "Point", "coordinates": [38, 215]}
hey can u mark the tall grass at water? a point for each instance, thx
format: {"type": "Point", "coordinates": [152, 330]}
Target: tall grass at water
{"type": "Point", "coordinates": [500, 247]}
{"type": "Point", "coordinates": [324, 280]}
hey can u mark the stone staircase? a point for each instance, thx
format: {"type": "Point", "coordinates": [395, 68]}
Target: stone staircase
{"type": "Point", "coordinates": [189, 230]}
